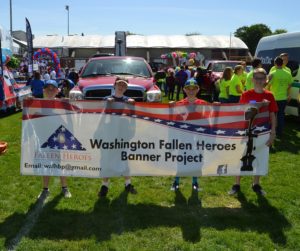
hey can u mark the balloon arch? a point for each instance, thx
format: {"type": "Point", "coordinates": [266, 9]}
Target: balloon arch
{"type": "Point", "coordinates": [48, 52]}
{"type": "Point", "coordinates": [183, 56]}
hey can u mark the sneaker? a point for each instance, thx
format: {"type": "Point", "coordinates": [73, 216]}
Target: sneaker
{"type": "Point", "coordinates": [44, 194]}
{"type": "Point", "coordinates": [66, 193]}
{"type": "Point", "coordinates": [130, 189]}
{"type": "Point", "coordinates": [195, 186]}
{"type": "Point", "coordinates": [235, 189]}
{"type": "Point", "coordinates": [258, 189]}
{"type": "Point", "coordinates": [103, 191]}
{"type": "Point", "coordinates": [175, 186]}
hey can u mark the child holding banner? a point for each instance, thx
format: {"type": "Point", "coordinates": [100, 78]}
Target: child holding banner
{"type": "Point", "coordinates": [50, 91]}
{"type": "Point", "coordinates": [120, 86]}
{"type": "Point", "coordinates": [258, 94]}
{"type": "Point", "coordinates": [191, 89]}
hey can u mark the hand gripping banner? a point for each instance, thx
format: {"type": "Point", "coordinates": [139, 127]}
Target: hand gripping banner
{"type": "Point", "coordinates": [103, 139]}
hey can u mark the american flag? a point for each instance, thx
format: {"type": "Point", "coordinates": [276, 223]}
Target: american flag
{"type": "Point", "coordinates": [226, 120]}
{"type": "Point", "coordinates": [63, 139]}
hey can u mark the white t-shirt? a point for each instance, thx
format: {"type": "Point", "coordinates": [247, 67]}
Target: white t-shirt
{"type": "Point", "coordinates": [53, 74]}
{"type": "Point", "coordinates": [46, 76]}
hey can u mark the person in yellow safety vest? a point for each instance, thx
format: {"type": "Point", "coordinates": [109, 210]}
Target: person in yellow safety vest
{"type": "Point", "coordinates": [236, 86]}
{"type": "Point", "coordinates": [223, 84]}
{"type": "Point", "coordinates": [280, 81]}
{"type": "Point", "coordinates": [244, 74]}
{"type": "Point", "coordinates": [256, 63]}
{"type": "Point", "coordinates": [285, 59]}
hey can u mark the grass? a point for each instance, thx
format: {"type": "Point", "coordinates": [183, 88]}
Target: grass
{"type": "Point", "coordinates": [155, 218]}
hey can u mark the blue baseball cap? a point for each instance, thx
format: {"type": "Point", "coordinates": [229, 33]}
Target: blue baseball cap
{"type": "Point", "coordinates": [51, 82]}
{"type": "Point", "coordinates": [191, 82]}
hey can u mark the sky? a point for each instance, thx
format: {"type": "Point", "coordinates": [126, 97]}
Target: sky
{"type": "Point", "coordinates": [154, 17]}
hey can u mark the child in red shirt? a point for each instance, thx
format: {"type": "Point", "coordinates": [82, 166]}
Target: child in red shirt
{"type": "Point", "coordinates": [258, 94]}
{"type": "Point", "coordinates": [191, 89]}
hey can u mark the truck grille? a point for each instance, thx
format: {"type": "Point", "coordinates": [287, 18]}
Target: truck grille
{"type": "Point", "coordinates": [138, 94]}
{"type": "Point", "coordinates": [97, 94]}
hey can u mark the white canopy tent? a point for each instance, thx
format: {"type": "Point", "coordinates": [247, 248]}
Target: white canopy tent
{"type": "Point", "coordinates": [138, 41]}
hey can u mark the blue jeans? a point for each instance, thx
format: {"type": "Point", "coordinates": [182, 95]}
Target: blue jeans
{"type": "Point", "coordinates": [280, 116]}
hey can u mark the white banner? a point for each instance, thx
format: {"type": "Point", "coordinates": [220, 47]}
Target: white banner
{"type": "Point", "coordinates": [100, 139]}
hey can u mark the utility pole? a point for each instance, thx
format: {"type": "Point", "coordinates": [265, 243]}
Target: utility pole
{"type": "Point", "coordinates": [10, 11]}
{"type": "Point", "coordinates": [68, 10]}
{"type": "Point", "coordinates": [11, 25]}
{"type": "Point", "coordinates": [229, 46]}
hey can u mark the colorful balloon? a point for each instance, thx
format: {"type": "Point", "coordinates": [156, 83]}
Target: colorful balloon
{"type": "Point", "coordinates": [174, 54]}
{"type": "Point", "coordinates": [192, 55]}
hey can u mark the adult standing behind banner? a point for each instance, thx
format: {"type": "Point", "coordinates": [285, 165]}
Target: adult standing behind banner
{"type": "Point", "coordinates": [285, 59]}
{"type": "Point", "coordinates": [243, 76]}
{"type": "Point", "coordinates": [73, 75]}
{"type": "Point", "coordinates": [181, 78]}
{"type": "Point", "coordinates": [37, 85]}
{"type": "Point", "coordinates": [120, 86]}
{"type": "Point", "coordinates": [258, 94]}
{"type": "Point", "coordinates": [280, 81]}
{"type": "Point", "coordinates": [256, 63]}
{"type": "Point", "coordinates": [223, 85]}
{"type": "Point", "coordinates": [236, 86]}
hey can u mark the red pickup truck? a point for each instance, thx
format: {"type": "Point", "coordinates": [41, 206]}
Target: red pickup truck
{"type": "Point", "coordinates": [97, 79]}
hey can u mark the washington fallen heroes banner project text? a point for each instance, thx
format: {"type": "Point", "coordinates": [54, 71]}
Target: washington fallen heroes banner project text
{"type": "Point", "coordinates": [110, 139]}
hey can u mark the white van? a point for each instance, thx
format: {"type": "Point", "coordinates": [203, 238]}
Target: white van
{"type": "Point", "coordinates": [269, 48]}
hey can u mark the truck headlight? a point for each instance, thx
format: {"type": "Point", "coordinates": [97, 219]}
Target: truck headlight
{"type": "Point", "coordinates": [76, 95]}
{"type": "Point", "coordinates": [154, 96]}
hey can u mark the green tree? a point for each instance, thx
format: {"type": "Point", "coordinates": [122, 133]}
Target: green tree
{"type": "Point", "coordinates": [279, 31]}
{"type": "Point", "coordinates": [193, 34]}
{"type": "Point", "coordinates": [132, 33]}
{"type": "Point", "coordinates": [13, 63]}
{"type": "Point", "coordinates": [252, 34]}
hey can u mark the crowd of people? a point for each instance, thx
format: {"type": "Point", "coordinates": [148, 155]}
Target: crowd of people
{"type": "Point", "coordinates": [235, 86]}
{"type": "Point", "coordinates": [68, 79]}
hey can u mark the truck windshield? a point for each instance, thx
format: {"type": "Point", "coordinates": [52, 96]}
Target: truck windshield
{"type": "Point", "coordinates": [115, 67]}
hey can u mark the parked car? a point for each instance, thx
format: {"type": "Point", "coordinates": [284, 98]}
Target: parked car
{"type": "Point", "coordinates": [11, 92]}
{"type": "Point", "coordinates": [97, 78]}
{"type": "Point", "coordinates": [215, 70]}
